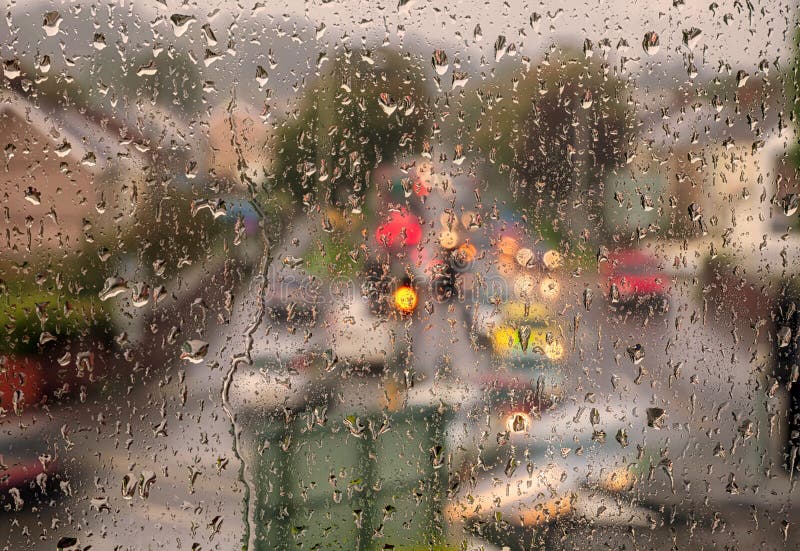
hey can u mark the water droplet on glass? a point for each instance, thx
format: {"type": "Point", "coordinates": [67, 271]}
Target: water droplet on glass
{"type": "Point", "coordinates": [63, 149]}
{"type": "Point", "coordinates": [519, 423]}
{"type": "Point", "coordinates": [387, 103]}
{"type": "Point", "coordinates": [622, 437]}
{"type": "Point", "coordinates": [261, 76]}
{"type": "Point", "coordinates": [614, 294]}
{"type": "Point", "coordinates": [51, 23]}
{"type": "Point", "coordinates": [524, 334]}
{"type": "Point", "coordinates": [194, 351]}
{"type": "Point", "coordinates": [292, 261]}
{"type": "Point", "coordinates": [146, 481]}
{"type": "Point", "coordinates": [439, 61]}
{"type": "Point", "coordinates": [695, 212]}
{"type": "Point", "coordinates": [587, 298]}
{"type": "Point", "coordinates": [128, 486]}
{"type": "Point", "coordinates": [33, 196]}
{"type": "Point", "coordinates": [67, 543]}
{"type": "Point", "coordinates": [586, 100]}
{"type": "Point", "coordinates": [588, 48]}
{"type": "Point", "coordinates": [112, 287]}
{"type": "Point", "coordinates": [691, 37]}
{"type": "Point", "coordinates": [656, 417]}
{"type": "Point", "coordinates": [147, 70]}
{"type": "Point", "coordinates": [784, 336]}
{"type": "Point", "coordinates": [741, 78]}
{"type": "Point", "coordinates": [636, 353]}
{"type": "Point", "coordinates": [651, 43]}
{"type": "Point", "coordinates": [789, 203]}
{"type": "Point", "coordinates": [140, 294]}
{"type": "Point", "coordinates": [511, 466]}
{"type": "Point", "coordinates": [181, 23]}
{"type": "Point", "coordinates": [500, 48]}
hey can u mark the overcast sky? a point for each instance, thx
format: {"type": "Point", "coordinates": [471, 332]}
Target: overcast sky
{"type": "Point", "coordinates": [730, 33]}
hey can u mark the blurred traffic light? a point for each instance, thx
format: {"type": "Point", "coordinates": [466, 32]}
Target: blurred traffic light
{"type": "Point", "coordinates": [405, 299]}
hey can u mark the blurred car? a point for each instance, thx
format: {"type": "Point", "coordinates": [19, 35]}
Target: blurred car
{"type": "Point", "coordinates": [635, 279]}
{"type": "Point", "coordinates": [44, 367]}
{"type": "Point", "coordinates": [562, 469]}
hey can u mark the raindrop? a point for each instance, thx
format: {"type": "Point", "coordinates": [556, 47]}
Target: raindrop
{"type": "Point", "coordinates": [146, 481]}
{"type": "Point", "coordinates": [140, 294]}
{"type": "Point", "coordinates": [741, 78]}
{"type": "Point", "coordinates": [789, 203]}
{"type": "Point", "coordinates": [586, 100]}
{"type": "Point", "coordinates": [128, 486]}
{"type": "Point", "coordinates": [695, 212]}
{"type": "Point", "coordinates": [519, 423]}
{"type": "Point", "coordinates": [208, 33]}
{"type": "Point", "coordinates": [691, 37]}
{"type": "Point", "coordinates": [12, 69]}
{"type": "Point", "coordinates": [63, 149]}
{"type": "Point", "coordinates": [387, 103]}
{"type": "Point", "coordinates": [99, 41]}
{"type": "Point", "coordinates": [112, 287]}
{"type": "Point", "coordinates": [147, 70]}
{"type": "Point", "coordinates": [439, 61]}
{"type": "Point", "coordinates": [651, 43]}
{"type": "Point", "coordinates": [460, 79]}
{"type": "Point", "coordinates": [500, 48]}
{"type": "Point", "coordinates": [180, 23]}
{"type": "Point", "coordinates": [194, 351]}
{"type": "Point", "coordinates": [534, 20]}
{"type": "Point", "coordinates": [511, 466]}
{"type": "Point", "coordinates": [67, 543]}
{"type": "Point", "coordinates": [656, 417]}
{"type": "Point", "coordinates": [784, 336]}
{"type": "Point", "coordinates": [622, 437]}
{"type": "Point", "coordinates": [636, 353]}
{"type": "Point", "coordinates": [261, 76]}
{"type": "Point", "coordinates": [588, 48]}
{"type": "Point", "coordinates": [292, 261]}
{"type": "Point", "coordinates": [51, 23]}
{"type": "Point", "coordinates": [33, 196]}
{"type": "Point", "coordinates": [210, 57]}
{"type": "Point", "coordinates": [524, 334]}
{"type": "Point", "coordinates": [44, 64]}
{"type": "Point", "coordinates": [587, 298]}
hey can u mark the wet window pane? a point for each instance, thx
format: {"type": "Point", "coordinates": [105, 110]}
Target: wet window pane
{"type": "Point", "coordinates": [413, 275]}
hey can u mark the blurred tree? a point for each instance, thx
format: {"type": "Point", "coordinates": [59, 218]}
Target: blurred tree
{"type": "Point", "coordinates": [367, 109]}
{"type": "Point", "coordinates": [567, 126]}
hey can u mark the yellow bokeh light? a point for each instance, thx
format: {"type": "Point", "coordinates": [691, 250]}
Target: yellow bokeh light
{"type": "Point", "coordinates": [554, 350]}
{"type": "Point", "coordinates": [552, 259]}
{"type": "Point", "coordinates": [618, 480]}
{"type": "Point", "coordinates": [550, 288]}
{"type": "Point", "coordinates": [518, 422]}
{"type": "Point", "coordinates": [405, 299]}
{"type": "Point", "coordinates": [508, 246]}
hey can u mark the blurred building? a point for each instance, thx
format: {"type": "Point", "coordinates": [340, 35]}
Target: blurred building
{"type": "Point", "coordinates": [68, 179]}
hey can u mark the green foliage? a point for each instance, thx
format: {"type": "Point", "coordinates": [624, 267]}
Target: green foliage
{"type": "Point", "coordinates": [565, 124]}
{"type": "Point", "coordinates": [341, 131]}
{"type": "Point", "coordinates": [21, 324]}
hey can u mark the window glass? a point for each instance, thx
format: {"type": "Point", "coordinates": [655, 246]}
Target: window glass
{"type": "Point", "coordinates": [409, 275]}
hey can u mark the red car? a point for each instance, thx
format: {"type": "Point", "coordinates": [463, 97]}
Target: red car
{"type": "Point", "coordinates": [634, 278]}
